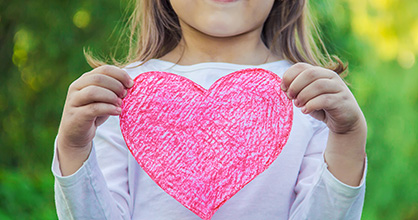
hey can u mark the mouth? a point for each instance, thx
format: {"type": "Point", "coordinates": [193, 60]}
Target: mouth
{"type": "Point", "coordinates": [224, 1]}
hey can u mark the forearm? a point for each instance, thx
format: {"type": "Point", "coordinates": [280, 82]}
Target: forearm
{"type": "Point", "coordinates": [86, 195]}
{"type": "Point", "coordinates": [345, 154]}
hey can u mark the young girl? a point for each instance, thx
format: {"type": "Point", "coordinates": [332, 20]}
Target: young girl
{"type": "Point", "coordinates": [320, 172]}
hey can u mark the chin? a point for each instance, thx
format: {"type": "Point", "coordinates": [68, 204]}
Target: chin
{"type": "Point", "coordinates": [221, 30]}
{"type": "Point", "coordinates": [221, 33]}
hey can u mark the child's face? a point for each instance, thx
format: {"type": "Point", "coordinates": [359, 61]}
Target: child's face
{"type": "Point", "coordinates": [222, 18]}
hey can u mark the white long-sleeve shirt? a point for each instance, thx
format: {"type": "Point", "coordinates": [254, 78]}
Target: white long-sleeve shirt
{"type": "Point", "coordinates": [297, 185]}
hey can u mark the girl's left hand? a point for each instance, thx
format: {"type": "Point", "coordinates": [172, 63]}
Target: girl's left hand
{"type": "Point", "coordinates": [323, 94]}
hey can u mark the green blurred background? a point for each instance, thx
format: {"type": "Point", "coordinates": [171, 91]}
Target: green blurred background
{"type": "Point", "coordinates": [41, 44]}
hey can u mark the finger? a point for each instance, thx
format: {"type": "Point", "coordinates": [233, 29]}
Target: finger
{"type": "Point", "coordinates": [318, 115]}
{"type": "Point", "coordinates": [291, 74]}
{"type": "Point", "coordinates": [101, 120]}
{"type": "Point", "coordinates": [94, 110]}
{"type": "Point", "coordinates": [316, 88]}
{"type": "Point", "coordinates": [100, 80]}
{"type": "Point", "coordinates": [116, 73]}
{"type": "Point", "coordinates": [92, 94]}
{"type": "Point", "coordinates": [324, 102]}
{"type": "Point", "coordinates": [305, 78]}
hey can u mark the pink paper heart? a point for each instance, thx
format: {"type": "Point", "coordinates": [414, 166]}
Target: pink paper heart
{"type": "Point", "coordinates": [203, 146]}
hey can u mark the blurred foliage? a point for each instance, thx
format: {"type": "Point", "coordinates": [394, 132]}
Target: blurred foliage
{"type": "Point", "coordinates": [41, 53]}
{"type": "Point", "coordinates": [378, 39]}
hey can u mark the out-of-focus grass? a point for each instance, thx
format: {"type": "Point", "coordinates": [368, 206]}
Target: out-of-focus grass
{"type": "Point", "coordinates": [26, 195]}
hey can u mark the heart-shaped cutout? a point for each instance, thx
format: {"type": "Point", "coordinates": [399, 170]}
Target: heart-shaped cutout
{"type": "Point", "coordinates": [203, 146]}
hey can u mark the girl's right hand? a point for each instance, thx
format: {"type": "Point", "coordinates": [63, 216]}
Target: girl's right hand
{"type": "Point", "coordinates": [91, 99]}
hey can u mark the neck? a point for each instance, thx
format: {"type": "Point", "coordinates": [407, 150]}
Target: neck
{"type": "Point", "coordinates": [197, 47]}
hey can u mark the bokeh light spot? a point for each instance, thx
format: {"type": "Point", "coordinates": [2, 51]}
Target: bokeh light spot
{"type": "Point", "coordinates": [81, 19]}
{"type": "Point", "coordinates": [19, 57]}
{"type": "Point", "coordinates": [387, 45]}
{"type": "Point", "coordinates": [381, 4]}
{"type": "Point", "coordinates": [406, 59]}
{"type": "Point", "coordinates": [414, 36]}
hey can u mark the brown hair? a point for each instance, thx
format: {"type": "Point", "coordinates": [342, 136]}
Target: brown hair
{"type": "Point", "coordinates": [288, 31]}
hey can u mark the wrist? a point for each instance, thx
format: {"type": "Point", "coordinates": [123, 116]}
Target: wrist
{"type": "Point", "coordinates": [350, 144]}
{"type": "Point", "coordinates": [71, 158]}
{"type": "Point", "coordinates": [73, 152]}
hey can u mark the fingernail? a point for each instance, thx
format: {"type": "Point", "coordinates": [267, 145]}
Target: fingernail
{"type": "Point", "coordinates": [131, 83]}
{"type": "Point", "coordinates": [296, 103]}
{"type": "Point", "coordinates": [304, 110]}
{"type": "Point", "coordinates": [283, 87]}
{"type": "Point", "coordinates": [290, 95]}
{"type": "Point", "coordinates": [119, 102]}
{"type": "Point", "coordinates": [118, 110]}
{"type": "Point", "coordinates": [125, 93]}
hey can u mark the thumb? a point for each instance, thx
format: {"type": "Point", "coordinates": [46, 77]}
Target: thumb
{"type": "Point", "coordinates": [100, 120]}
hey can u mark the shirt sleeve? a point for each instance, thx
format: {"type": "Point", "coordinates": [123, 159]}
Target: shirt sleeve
{"type": "Point", "coordinates": [321, 196]}
{"type": "Point", "coordinates": [99, 189]}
